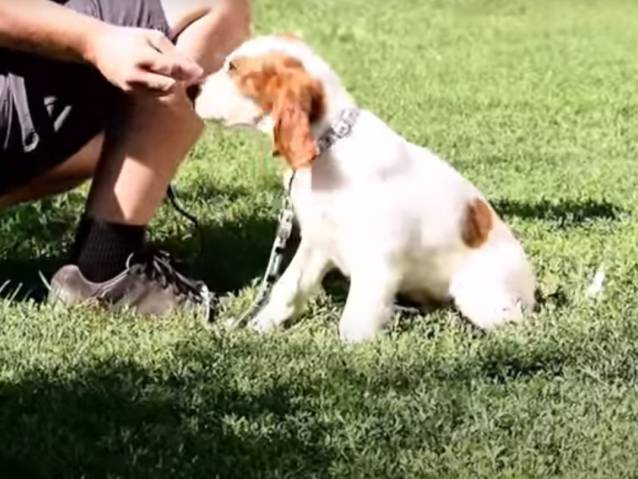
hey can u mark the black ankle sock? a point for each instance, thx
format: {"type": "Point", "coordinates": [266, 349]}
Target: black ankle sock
{"type": "Point", "coordinates": [102, 248]}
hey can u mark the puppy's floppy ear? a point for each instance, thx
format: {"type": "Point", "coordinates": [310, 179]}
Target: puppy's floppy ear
{"type": "Point", "coordinates": [298, 103]}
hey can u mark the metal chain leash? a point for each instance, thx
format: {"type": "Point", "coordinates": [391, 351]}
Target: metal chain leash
{"type": "Point", "coordinates": [274, 269]}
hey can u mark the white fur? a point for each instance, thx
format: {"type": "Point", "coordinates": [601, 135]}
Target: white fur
{"type": "Point", "coordinates": [384, 211]}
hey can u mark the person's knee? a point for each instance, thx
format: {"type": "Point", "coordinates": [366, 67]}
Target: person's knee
{"type": "Point", "coordinates": [239, 11]}
{"type": "Point", "coordinates": [169, 116]}
{"type": "Point", "coordinates": [181, 107]}
{"type": "Point", "coordinates": [208, 30]}
{"type": "Point", "coordinates": [236, 18]}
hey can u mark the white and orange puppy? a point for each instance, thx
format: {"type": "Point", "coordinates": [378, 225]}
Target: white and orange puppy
{"type": "Point", "coordinates": [389, 214]}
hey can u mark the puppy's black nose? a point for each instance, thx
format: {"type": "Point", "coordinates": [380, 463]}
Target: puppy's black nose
{"type": "Point", "coordinates": [193, 91]}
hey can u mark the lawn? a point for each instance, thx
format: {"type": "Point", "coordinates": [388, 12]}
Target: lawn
{"type": "Point", "coordinates": [534, 101]}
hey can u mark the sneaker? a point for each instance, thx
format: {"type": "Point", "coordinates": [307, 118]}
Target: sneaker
{"type": "Point", "coordinates": [149, 285]}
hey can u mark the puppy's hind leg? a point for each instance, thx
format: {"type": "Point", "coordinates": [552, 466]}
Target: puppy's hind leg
{"type": "Point", "coordinates": [488, 306]}
{"type": "Point", "coordinates": [491, 295]}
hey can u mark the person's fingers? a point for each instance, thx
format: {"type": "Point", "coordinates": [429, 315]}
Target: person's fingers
{"type": "Point", "coordinates": [160, 63]}
{"type": "Point", "coordinates": [160, 42]}
{"type": "Point", "coordinates": [182, 67]}
{"type": "Point", "coordinates": [152, 81]}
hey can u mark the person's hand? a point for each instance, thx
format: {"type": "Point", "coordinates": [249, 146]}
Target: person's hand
{"type": "Point", "coordinates": [136, 59]}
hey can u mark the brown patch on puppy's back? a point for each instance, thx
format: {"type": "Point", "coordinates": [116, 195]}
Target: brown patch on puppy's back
{"type": "Point", "coordinates": [477, 222]}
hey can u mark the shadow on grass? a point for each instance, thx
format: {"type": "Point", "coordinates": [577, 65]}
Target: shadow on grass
{"type": "Point", "coordinates": [226, 256]}
{"type": "Point", "coordinates": [233, 254]}
{"type": "Point", "coordinates": [565, 212]}
{"type": "Point", "coordinates": [33, 241]}
{"type": "Point", "coordinates": [191, 419]}
{"type": "Point", "coordinates": [119, 420]}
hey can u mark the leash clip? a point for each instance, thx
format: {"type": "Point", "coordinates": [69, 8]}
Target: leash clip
{"type": "Point", "coordinates": [286, 223]}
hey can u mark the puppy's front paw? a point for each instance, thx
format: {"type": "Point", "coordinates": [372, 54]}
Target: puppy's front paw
{"type": "Point", "coordinates": [352, 332]}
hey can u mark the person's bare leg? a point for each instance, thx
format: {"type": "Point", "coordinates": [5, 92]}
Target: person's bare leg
{"type": "Point", "coordinates": [143, 152]}
{"type": "Point", "coordinates": [143, 147]}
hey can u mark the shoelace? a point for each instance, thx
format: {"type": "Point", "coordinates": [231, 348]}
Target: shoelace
{"type": "Point", "coordinates": [157, 265]}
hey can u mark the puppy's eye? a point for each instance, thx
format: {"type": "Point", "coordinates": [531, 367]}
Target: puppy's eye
{"type": "Point", "coordinates": [232, 66]}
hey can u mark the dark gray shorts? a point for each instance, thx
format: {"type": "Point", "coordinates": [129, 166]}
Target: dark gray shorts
{"type": "Point", "coordinates": [50, 109]}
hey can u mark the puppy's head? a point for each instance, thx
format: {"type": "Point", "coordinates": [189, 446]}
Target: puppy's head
{"type": "Point", "coordinates": [265, 85]}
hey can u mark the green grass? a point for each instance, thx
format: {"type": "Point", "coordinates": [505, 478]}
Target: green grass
{"type": "Point", "coordinates": [534, 101]}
